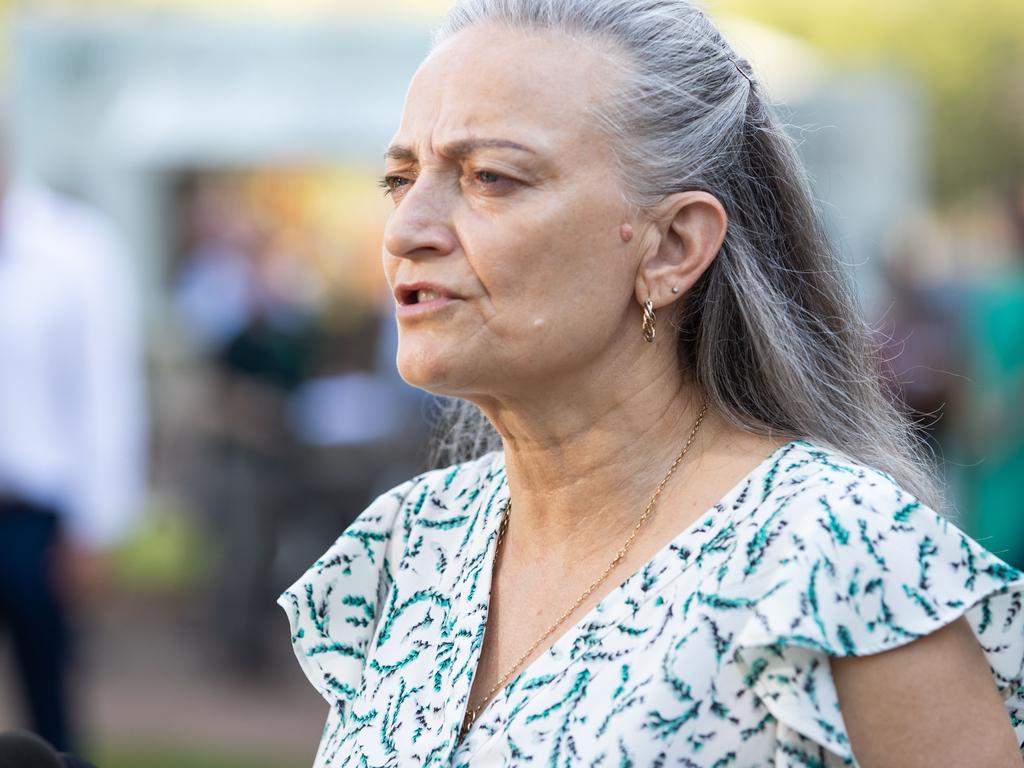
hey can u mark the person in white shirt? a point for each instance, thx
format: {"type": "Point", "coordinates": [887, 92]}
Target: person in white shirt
{"type": "Point", "coordinates": [72, 445]}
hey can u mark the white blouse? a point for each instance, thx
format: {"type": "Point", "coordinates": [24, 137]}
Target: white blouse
{"type": "Point", "coordinates": [713, 654]}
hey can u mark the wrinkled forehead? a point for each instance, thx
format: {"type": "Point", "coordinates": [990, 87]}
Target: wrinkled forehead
{"type": "Point", "coordinates": [531, 86]}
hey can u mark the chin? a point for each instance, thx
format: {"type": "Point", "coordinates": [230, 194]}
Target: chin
{"type": "Point", "coordinates": [426, 366]}
{"type": "Point", "coordinates": [451, 372]}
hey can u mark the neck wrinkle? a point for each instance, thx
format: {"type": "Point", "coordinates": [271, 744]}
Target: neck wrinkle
{"type": "Point", "coordinates": [578, 502]}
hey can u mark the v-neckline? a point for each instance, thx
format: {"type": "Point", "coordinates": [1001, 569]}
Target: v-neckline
{"type": "Point", "coordinates": [604, 610]}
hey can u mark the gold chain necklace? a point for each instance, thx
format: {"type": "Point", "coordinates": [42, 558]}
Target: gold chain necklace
{"type": "Point", "coordinates": [471, 714]}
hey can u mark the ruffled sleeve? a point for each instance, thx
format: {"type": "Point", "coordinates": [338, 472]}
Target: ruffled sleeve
{"type": "Point", "coordinates": [334, 607]}
{"type": "Point", "coordinates": [865, 567]}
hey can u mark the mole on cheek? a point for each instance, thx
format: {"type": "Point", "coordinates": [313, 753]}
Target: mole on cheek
{"type": "Point", "coordinates": [540, 322]}
{"type": "Point", "coordinates": [626, 233]}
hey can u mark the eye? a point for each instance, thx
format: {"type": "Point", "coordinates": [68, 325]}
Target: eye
{"type": "Point", "coordinates": [492, 181]}
{"type": "Point", "coordinates": [391, 183]}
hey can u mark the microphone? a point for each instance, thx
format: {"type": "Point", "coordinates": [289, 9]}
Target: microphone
{"type": "Point", "coordinates": [21, 749]}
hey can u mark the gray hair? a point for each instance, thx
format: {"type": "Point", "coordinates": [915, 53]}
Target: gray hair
{"type": "Point", "coordinates": [771, 333]}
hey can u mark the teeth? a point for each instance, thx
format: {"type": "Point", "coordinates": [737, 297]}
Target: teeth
{"type": "Point", "coordinates": [426, 295]}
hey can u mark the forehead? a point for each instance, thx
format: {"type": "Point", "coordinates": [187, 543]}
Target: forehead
{"type": "Point", "coordinates": [529, 86]}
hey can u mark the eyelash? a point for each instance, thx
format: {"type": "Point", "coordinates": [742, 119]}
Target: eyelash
{"type": "Point", "coordinates": [385, 182]}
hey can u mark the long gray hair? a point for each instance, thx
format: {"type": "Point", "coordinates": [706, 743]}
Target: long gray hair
{"type": "Point", "coordinates": [771, 333]}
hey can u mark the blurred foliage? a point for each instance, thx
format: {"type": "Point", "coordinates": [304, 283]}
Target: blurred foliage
{"type": "Point", "coordinates": [968, 57]}
{"type": "Point", "coordinates": [168, 553]}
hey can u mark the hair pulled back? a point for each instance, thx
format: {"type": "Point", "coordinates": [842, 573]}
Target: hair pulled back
{"type": "Point", "coordinates": [771, 332]}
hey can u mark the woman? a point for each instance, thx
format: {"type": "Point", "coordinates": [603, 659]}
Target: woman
{"type": "Point", "coordinates": [696, 533]}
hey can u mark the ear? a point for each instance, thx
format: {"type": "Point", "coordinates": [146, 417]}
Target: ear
{"type": "Point", "coordinates": [686, 232]}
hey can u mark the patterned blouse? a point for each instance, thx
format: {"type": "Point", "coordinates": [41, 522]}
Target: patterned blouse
{"type": "Point", "coordinates": [713, 654]}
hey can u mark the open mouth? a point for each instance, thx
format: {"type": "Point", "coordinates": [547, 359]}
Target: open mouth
{"type": "Point", "coordinates": [421, 296]}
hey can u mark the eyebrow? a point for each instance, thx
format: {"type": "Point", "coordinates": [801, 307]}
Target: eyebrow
{"type": "Point", "coordinates": [457, 149]}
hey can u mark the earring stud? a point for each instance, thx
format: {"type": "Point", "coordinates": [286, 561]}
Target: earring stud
{"type": "Point", "coordinates": [675, 290]}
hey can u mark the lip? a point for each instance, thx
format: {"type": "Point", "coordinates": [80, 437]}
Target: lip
{"type": "Point", "coordinates": [403, 291]}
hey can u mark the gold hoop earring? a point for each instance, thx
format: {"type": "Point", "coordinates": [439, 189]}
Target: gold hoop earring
{"type": "Point", "coordinates": [649, 320]}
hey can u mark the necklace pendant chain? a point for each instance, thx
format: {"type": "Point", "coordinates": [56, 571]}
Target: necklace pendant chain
{"type": "Point", "coordinates": [471, 714]}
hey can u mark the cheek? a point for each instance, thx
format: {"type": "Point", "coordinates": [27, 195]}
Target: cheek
{"type": "Point", "coordinates": [390, 267]}
{"type": "Point", "coordinates": [527, 272]}
{"type": "Point", "coordinates": [557, 287]}
{"type": "Point", "coordinates": [550, 286]}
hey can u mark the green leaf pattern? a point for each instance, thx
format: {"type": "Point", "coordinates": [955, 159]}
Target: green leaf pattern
{"type": "Point", "coordinates": [715, 653]}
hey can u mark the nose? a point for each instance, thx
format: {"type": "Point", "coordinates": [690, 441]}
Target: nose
{"type": "Point", "coordinates": [421, 223]}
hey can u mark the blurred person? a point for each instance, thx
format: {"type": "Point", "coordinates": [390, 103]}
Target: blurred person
{"type": "Point", "coordinates": [215, 287]}
{"type": "Point", "coordinates": [994, 424]}
{"type": "Point", "coordinates": [246, 306]}
{"type": "Point", "coordinates": [605, 251]}
{"type": "Point", "coordinates": [924, 347]}
{"type": "Point", "coordinates": [72, 442]}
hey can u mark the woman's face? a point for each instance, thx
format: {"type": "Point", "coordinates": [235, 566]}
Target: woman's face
{"type": "Point", "coordinates": [505, 196]}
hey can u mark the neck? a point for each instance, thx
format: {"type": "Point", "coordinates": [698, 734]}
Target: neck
{"type": "Point", "coordinates": [577, 465]}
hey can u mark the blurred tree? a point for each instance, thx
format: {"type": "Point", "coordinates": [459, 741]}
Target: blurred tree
{"type": "Point", "coordinates": [968, 57]}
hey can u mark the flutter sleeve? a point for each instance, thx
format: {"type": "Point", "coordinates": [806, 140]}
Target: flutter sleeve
{"type": "Point", "coordinates": [334, 607]}
{"type": "Point", "coordinates": [865, 567]}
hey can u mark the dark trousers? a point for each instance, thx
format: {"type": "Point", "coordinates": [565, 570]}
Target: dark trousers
{"type": "Point", "coordinates": [35, 617]}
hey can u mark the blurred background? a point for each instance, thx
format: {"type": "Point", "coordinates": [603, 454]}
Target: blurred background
{"type": "Point", "coordinates": [190, 223]}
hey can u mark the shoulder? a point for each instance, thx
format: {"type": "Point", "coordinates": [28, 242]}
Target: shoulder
{"type": "Point", "coordinates": [433, 501]}
{"type": "Point", "coordinates": [69, 238]}
{"type": "Point", "coordinates": [806, 495]}
{"type": "Point", "coordinates": [812, 466]}
{"type": "Point", "coordinates": [836, 535]}
{"type": "Point", "coordinates": [851, 564]}
{"type": "Point", "coordinates": [334, 607]}
{"type": "Point", "coordinates": [846, 517]}
{"type": "Point", "coordinates": [45, 211]}
{"type": "Point", "coordinates": [822, 496]}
